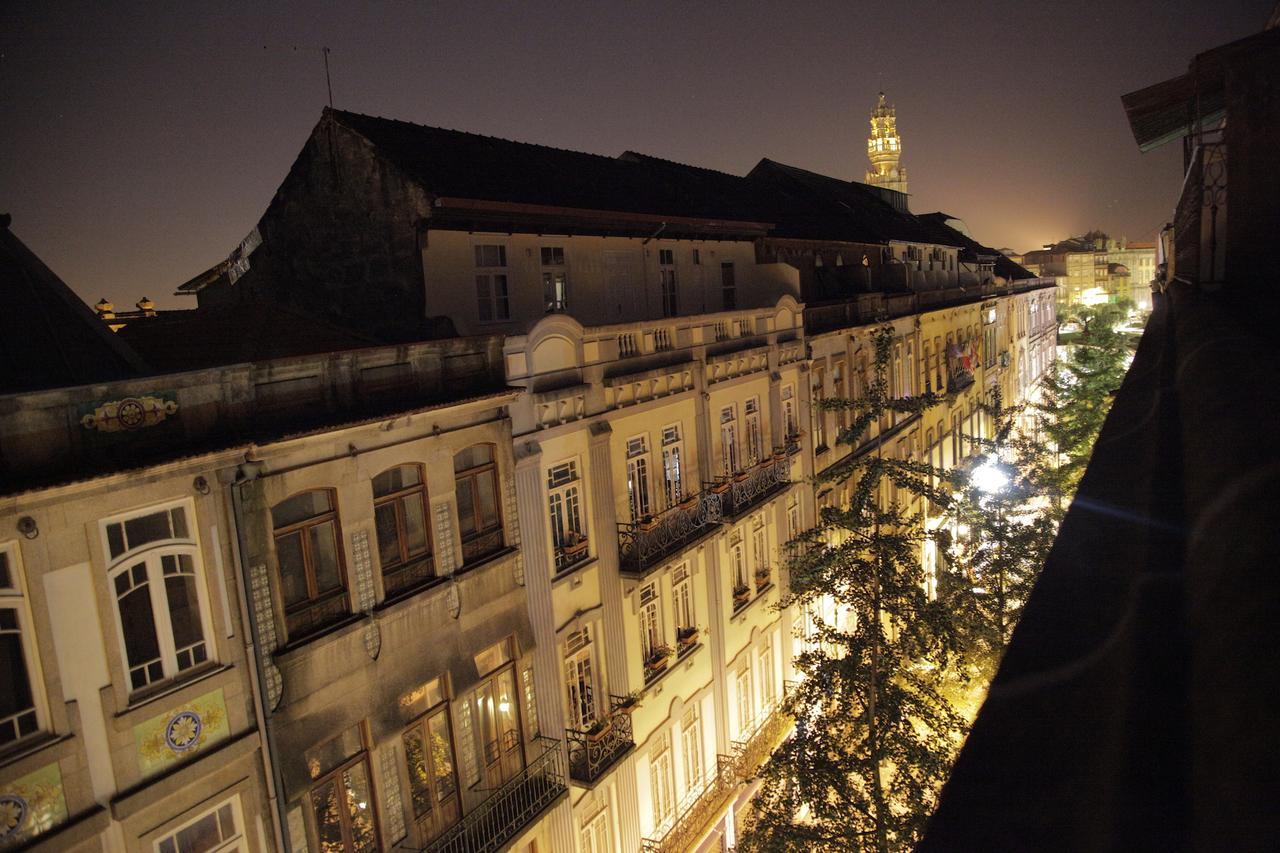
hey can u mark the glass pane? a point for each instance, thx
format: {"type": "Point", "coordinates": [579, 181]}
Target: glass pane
{"type": "Point", "coordinates": [184, 610]}
{"type": "Point", "coordinates": [293, 569]}
{"type": "Point", "coordinates": [15, 685]}
{"type": "Point", "coordinates": [179, 517]}
{"type": "Point", "coordinates": [300, 507]}
{"type": "Point", "coordinates": [466, 507]}
{"type": "Point", "coordinates": [147, 528]}
{"type": "Point", "coordinates": [395, 480]}
{"type": "Point", "coordinates": [138, 622]}
{"type": "Point", "coordinates": [415, 756]}
{"type": "Point", "coordinates": [201, 836]}
{"type": "Point", "coordinates": [360, 808]}
{"type": "Point", "coordinates": [324, 557]}
{"type": "Point", "coordinates": [384, 524]}
{"type": "Point", "coordinates": [476, 454]}
{"type": "Point", "coordinates": [487, 495]}
{"type": "Point", "coordinates": [324, 802]}
{"type": "Point", "coordinates": [115, 540]}
{"type": "Point", "coordinates": [507, 714]}
{"type": "Point", "coordinates": [415, 525]}
{"type": "Point", "coordinates": [441, 755]}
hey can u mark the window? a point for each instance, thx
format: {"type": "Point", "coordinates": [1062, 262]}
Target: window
{"type": "Point", "coordinates": [909, 371]}
{"type": "Point", "coordinates": [568, 530]}
{"type": "Point", "coordinates": [672, 465]}
{"type": "Point", "coordinates": [728, 440]}
{"type": "Point", "coordinates": [957, 438]}
{"type": "Point", "coordinates": [638, 478]}
{"type": "Point", "coordinates": [491, 283]}
{"type": "Point", "coordinates": [219, 830]}
{"type": "Point", "coordinates": [555, 279]}
{"type": "Point", "coordinates": [580, 680]}
{"type": "Point", "coordinates": [838, 393]}
{"type": "Point", "coordinates": [755, 441]}
{"type": "Point", "coordinates": [682, 597]}
{"type": "Point", "coordinates": [313, 582]}
{"type": "Point", "coordinates": [650, 622]}
{"type": "Point", "coordinates": [759, 551]}
{"type": "Point", "coordinates": [595, 834]}
{"type": "Point", "coordinates": [728, 286]}
{"type": "Point", "coordinates": [497, 708]}
{"type": "Point", "coordinates": [691, 750]}
{"type": "Point", "coordinates": [400, 522]}
{"type": "Point", "coordinates": [819, 414]}
{"type": "Point", "coordinates": [667, 280]}
{"type": "Point", "coordinates": [155, 576]}
{"type": "Point", "coordinates": [742, 691]}
{"type": "Point", "coordinates": [661, 784]}
{"type": "Point", "coordinates": [768, 683]}
{"type": "Point", "coordinates": [341, 798]}
{"type": "Point", "coordinates": [793, 516]}
{"type": "Point", "coordinates": [789, 422]}
{"type": "Point", "coordinates": [475, 478]}
{"type": "Point", "coordinates": [433, 779]}
{"type": "Point", "coordinates": [739, 564]}
{"type": "Point", "coordinates": [21, 711]}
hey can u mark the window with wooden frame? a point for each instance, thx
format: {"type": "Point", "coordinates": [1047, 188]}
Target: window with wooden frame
{"type": "Point", "coordinates": [312, 569]}
{"type": "Point", "coordinates": [161, 610]}
{"type": "Point", "coordinates": [402, 527]}
{"type": "Point", "coordinates": [429, 758]}
{"type": "Point", "coordinates": [475, 477]}
{"type": "Point", "coordinates": [218, 830]}
{"type": "Point", "coordinates": [341, 802]}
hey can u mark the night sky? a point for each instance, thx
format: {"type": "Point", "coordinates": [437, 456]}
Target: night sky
{"type": "Point", "coordinates": [141, 143]}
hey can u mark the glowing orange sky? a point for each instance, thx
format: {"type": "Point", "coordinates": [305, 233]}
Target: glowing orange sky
{"type": "Point", "coordinates": [141, 146]}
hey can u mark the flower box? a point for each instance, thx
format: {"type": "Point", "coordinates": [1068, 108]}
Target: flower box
{"type": "Point", "coordinates": [628, 703]}
{"type": "Point", "coordinates": [689, 502]}
{"type": "Point", "coordinates": [741, 476]}
{"type": "Point", "coordinates": [600, 730]}
{"type": "Point", "coordinates": [741, 594]}
{"type": "Point", "coordinates": [648, 522]}
{"type": "Point", "coordinates": [721, 487]}
{"type": "Point", "coordinates": [687, 638]}
{"type": "Point", "coordinates": [574, 544]}
{"type": "Point", "coordinates": [763, 578]}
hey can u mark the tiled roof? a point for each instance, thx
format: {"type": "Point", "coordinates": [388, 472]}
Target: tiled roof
{"type": "Point", "coordinates": [969, 247]}
{"type": "Point", "coordinates": [467, 165]}
{"type": "Point", "coordinates": [49, 338]}
{"type": "Point", "coordinates": [233, 334]}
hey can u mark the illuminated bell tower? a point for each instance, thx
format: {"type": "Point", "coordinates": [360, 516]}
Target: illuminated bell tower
{"type": "Point", "coordinates": [884, 148]}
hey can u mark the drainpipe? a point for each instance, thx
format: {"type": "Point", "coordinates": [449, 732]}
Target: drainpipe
{"type": "Point", "coordinates": [244, 475]}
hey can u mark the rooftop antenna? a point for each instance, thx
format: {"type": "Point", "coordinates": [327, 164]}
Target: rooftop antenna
{"type": "Point", "coordinates": [324, 52]}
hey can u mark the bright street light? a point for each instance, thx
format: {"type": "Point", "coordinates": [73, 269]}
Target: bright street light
{"type": "Point", "coordinates": [989, 478]}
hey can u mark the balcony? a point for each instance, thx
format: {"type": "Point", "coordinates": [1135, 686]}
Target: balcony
{"type": "Point", "coordinates": [594, 751]}
{"type": "Point", "coordinates": [748, 489]}
{"type": "Point", "coordinates": [642, 545]}
{"type": "Point", "coordinates": [511, 808]}
{"type": "Point", "coordinates": [703, 806]}
{"type": "Point", "coordinates": [574, 550]}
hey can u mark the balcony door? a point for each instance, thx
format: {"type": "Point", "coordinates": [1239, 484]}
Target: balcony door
{"type": "Point", "coordinates": [500, 727]}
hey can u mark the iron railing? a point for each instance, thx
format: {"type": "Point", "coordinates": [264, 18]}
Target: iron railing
{"type": "Point", "coordinates": [591, 754]}
{"type": "Point", "coordinates": [509, 809]}
{"type": "Point", "coordinates": [644, 544]}
{"type": "Point", "coordinates": [751, 487]}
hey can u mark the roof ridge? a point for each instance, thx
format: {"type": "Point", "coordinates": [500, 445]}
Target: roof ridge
{"type": "Point", "coordinates": [668, 161]}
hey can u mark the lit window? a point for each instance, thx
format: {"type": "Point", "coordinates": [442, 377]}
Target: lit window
{"type": "Point", "coordinates": [595, 834]}
{"type": "Point", "coordinates": [341, 799]}
{"type": "Point", "coordinates": [568, 529]}
{"type": "Point", "coordinates": [21, 705]}
{"type": "Point", "coordinates": [691, 750]}
{"type": "Point", "coordinates": [555, 279]}
{"type": "Point", "coordinates": [313, 577]}
{"type": "Point", "coordinates": [157, 581]}
{"type": "Point", "coordinates": [400, 521]}
{"type": "Point", "coordinates": [728, 440]}
{"type": "Point", "coordinates": [433, 778]}
{"type": "Point", "coordinates": [491, 283]}
{"type": "Point", "coordinates": [672, 465]}
{"type": "Point", "coordinates": [580, 682]}
{"type": "Point", "coordinates": [755, 440]}
{"type": "Point", "coordinates": [638, 497]}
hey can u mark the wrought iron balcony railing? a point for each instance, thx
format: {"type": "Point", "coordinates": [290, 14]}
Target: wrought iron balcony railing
{"type": "Point", "coordinates": [751, 487]}
{"type": "Point", "coordinates": [644, 544]}
{"type": "Point", "coordinates": [592, 752]}
{"type": "Point", "coordinates": [510, 809]}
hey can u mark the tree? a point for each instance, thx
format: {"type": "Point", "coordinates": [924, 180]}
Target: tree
{"type": "Point", "coordinates": [1076, 397]}
{"type": "Point", "coordinates": [874, 735]}
{"type": "Point", "coordinates": [1006, 532]}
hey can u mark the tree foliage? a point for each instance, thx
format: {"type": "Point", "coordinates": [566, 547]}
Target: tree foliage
{"type": "Point", "coordinates": [874, 735]}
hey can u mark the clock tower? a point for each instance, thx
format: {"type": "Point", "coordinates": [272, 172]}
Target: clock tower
{"type": "Point", "coordinates": [884, 148]}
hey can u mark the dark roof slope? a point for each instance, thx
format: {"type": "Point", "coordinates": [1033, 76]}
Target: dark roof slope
{"type": "Point", "coordinates": [811, 206]}
{"type": "Point", "coordinates": [236, 333]}
{"type": "Point", "coordinates": [468, 165]}
{"type": "Point", "coordinates": [48, 337]}
{"type": "Point", "coordinates": [970, 248]}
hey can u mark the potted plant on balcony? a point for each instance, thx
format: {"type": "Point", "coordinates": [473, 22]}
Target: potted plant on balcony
{"type": "Point", "coordinates": [741, 594]}
{"type": "Point", "coordinates": [687, 638]}
{"type": "Point", "coordinates": [648, 522]}
{"type": "Point", "coordinates": [689, 502]}
{"type": "Point", "coordinates": [779, 453]}
{"type": "Point", "coordinates": [741, 476]}
{"type": "Point", "coordinates": [628, 703]}
{"type": "Point", "coordinates": [574, 544]}
{"type": "Point", "coordinates": [721, 486]}
{"type": "Point", "coordinates": [599, 729]}
{"type": "Point", "coordinates": [656, 662]}
{"type": "Point", "coordinates": [762, 577]}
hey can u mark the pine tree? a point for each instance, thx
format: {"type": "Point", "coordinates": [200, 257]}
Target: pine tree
{"type": "Point", "coordinates": [874, 735]}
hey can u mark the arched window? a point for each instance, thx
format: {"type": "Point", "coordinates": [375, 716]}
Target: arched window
{"type": "Point", "coordinates": [157, 582]}
{"type": "Point", "coordinates": [313, 577]}
{"type": "Point", "coordinates": [475, 477]}
{"type": "Point", "coordinates": [400, 520]}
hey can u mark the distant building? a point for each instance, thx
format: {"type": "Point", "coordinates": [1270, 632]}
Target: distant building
{"type": "Point", "coordinates": [884, 149]}
{"type": "Point", "coordinates": [1094, 268]}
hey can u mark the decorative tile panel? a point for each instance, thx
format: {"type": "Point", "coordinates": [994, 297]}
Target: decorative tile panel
{"type": "Point", "coordinates": [446, 561]}
{"type": "Point", "coordinates": [180, 732]}
{"type": "Point", "coordinates": [264, 615]}
{"type": "Point", "coordinates": [31, 805]}
{"type": "Point", "coordinates": [362, 565]}
{"type": "Point", "coordinates": [391, 793]}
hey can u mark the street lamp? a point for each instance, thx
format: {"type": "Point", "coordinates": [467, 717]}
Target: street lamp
{"type": "Point", "coordinates": [989, 478]}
